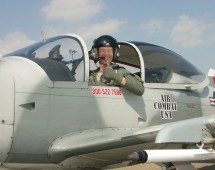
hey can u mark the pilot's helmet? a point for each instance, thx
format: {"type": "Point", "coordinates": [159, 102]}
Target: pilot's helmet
{"type": "Point", "coordinates": [105, 41]}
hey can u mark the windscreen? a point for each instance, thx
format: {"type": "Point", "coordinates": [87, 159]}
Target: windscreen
{"type": "Point", "coordinates": [165, 66]}
{"type": "Point", "coordinates": [60, 57]}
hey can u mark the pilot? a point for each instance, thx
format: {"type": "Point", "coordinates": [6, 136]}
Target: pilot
{"type": "Point", "coordinates": [106, 50]}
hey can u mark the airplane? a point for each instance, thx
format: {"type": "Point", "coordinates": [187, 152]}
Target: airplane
{"type": "Point", "coordinates": [53, 117]}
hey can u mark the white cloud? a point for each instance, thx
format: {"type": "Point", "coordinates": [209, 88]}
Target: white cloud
{"type": "Point", "coordinates": [88, 32]}
{"type": "Point", "coordinates": [107, 27]}
{"type": "Point", "coordinates": [188, 32]}
{"type": "Point", "coordinates": [14, 41]}
{"type": "Point", "coordinates": [153, 25]}
{"type": "Point", "coordinates": [185, 32]}
{"type": "Point", "coordinates": [72, 10]}
{"type": "Point", "coordinates": [82, 12]}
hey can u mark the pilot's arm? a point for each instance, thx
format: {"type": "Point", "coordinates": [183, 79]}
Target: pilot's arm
{"type": "Point", "coordinates": [131, 82]}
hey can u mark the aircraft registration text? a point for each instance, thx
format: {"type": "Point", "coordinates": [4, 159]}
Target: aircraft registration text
{"type": "Point", "coordinates": [106, 91]}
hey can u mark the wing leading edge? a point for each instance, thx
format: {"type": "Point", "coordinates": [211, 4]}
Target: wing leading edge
{"type": "Point", "coordinates": [95, 140]}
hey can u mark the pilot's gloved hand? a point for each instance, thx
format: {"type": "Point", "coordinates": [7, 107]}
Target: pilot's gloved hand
{"type": "Point", "coordinates": [110, 74]}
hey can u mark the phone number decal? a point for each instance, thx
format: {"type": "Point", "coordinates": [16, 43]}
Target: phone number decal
{"type": "Point", "coordinates": [106, 91]}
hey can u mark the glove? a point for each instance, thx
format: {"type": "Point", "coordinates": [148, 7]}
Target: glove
{"type": "Point", "coordinates": [109, 74]}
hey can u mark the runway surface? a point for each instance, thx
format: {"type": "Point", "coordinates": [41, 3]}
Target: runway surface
{"type": "Point", "coordinates": [151, 166]}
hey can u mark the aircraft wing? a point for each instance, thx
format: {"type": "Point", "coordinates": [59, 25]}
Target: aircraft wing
{"type": "Point", "coordinates": [199, 131]}
{"type": "Point", "coordinates": [95, 140]}
{"type": "Point", "coordinates": [191, 131]}
{"type": "Point", "coordinates": [194, 130]}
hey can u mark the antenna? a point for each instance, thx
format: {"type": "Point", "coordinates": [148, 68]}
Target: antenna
{"type": "Point", "coordinates": [43, 35]}
{"type": "Point", "coordinates": [72, 52]}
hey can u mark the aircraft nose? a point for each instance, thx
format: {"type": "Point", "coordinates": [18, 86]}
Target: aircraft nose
{"type": "Point", "coordinates": [6, 109]}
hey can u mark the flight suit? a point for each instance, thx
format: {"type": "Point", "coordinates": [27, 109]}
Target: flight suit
{"type": "Point", "coordinates": [133, 84]}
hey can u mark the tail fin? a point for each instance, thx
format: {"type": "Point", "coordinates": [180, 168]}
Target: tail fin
{"type": "Point", "coordinates": [211, 75]}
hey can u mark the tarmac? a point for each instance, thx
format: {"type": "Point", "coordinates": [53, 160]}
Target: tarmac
{"type": "Point", "coordinates": [151, 166]}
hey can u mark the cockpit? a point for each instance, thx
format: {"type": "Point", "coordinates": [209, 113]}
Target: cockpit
{"type": "Point", "coordinates": [160, 64]}
{"type": "Point", "coordinates": [65, 58]}
{"type": "Point", "coordinates": [60, 57]}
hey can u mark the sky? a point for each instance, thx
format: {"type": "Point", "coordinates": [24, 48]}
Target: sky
{"type": "Point", "coordinates": [186, 27]}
